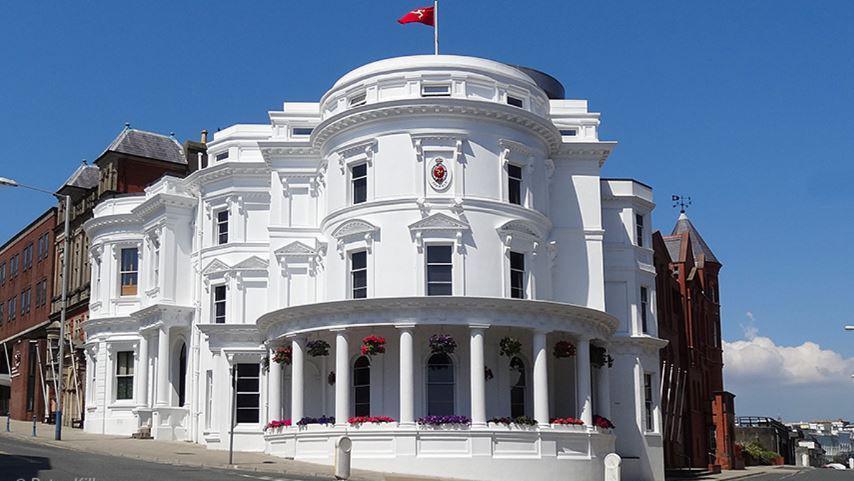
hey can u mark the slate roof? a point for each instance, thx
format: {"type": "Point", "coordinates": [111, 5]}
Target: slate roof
{"type": "Point", "coordinates": [673, 245]}
{"type": "Point", "coordinates": [698, 245]}
{"type": "Point", "coordinates": [85, 177]}
{"type": "Point", "coordinates": [146, 144]}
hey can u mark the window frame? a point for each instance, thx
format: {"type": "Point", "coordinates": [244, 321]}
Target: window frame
{"type": "Point", "coordinates": [428, 264]}
{"type": "Point", "coordinates": [130, 371]}
{"type": "Point", "coordinates": [517, 292]}
{"type": "Point", "coordinates": [517, 181]}
{"type": "Point", "coordinates": [351, 273]}
{"type": "Point", "coordinates": [357, 100]}
{"type": "Point", "coordinates": [301, 131]}
{"type": "Point", "coordinates": [3, 273]}
{"type": "Point", "coordinates": [433, 85]}
{"type": "Point", "coordinates": [639, 230]}
{"type": "Point", "coordinates": [523, 388]}
{"type": "Point", "coordinates": [237, 377]}
{"type": "Point", "coordinates": [648, 405]}
{"type": "Point", "coordinates": [515, 101]}
{"type": "Point", "coordinates": [366, 387]}
{"type": "Point", "coordinates": [354, 179]}
{"type": "Point", "coordinates": [644, 309]}
{"type": "Point", "coordinates": [12, 308]}
{"type": "Point", "coordinates": [453, 383]}
{"type": "Point", "coordinates": [219, 224]}
{"type": "Point", "coordinates": [215, 289]}
{"type": "Point", "coordinates": [122, 273]}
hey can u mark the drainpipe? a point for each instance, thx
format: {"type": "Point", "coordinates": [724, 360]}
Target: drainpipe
{"type": "Point", "coordinates": [196, 335]}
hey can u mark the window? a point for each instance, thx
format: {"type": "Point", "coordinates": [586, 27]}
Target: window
{"type": "Point", "coordinates": [11, 308]}
{"type": "Point", "coordinates": [514, 184]}
{"type": "Point", "coordinates": [647, 402]}
{"type": "Point", "coordinates": [515, 101]}
{"type": "Point", "coordinates": [222, 227]}
{"type": "Point", "coordinates": [359, 274]}
{"type": "Point", "coordinates": [182, 375]}
{"type": "Point", "coordinates": [639, 229]}
{"type": "Point", "coordinates": [2, 313]}
{"type": "Point", "coordinates": [302, 131]}
{"type": "Point", "coordinates": [568, 132]}
{"type": "Point", "coordinates": [27, 257]}
{"type": "Point", "coordinates": [359, 176]}
{"type": "Point", "coordinates": [124, 375]}
{"type": "Point", "coordinates": [13, 266]}
{"type": "Point", "coordinates": [222, 156]}
{"type": "Point", "coordinates": [219, 304]}
{"type": "Point", "coordinates": [436, 90]}
{"type": "Point", "coordinates": [517, 387]}
{"type": "Point", "coordinates": [439, 270]}
{"type": "Point", "coordinates": [31, 378]}
{"type": "Point", "coordinates": [25, 301]}
{"type": "Point", "coordinates": [248, 387]}
{"type": "Point", "coordinates": [517, 275]}
{"type": "Point", "coordinates": [129, 271]}
{"type": "Point", "coordinates": [644, 307]}
{"type": "Point", "coordinates": [41, 246]}
{"type": "Point", "coordinates": [155, 263]}
{"type": "Point", "coordinates": [41, 293]}
{"type": "Point", "coordinates": [358, 99]}
{"type": "Point", "coordinates": [2, 273]}
{"type": "Point", "coordinates": [362, 387]}
{"type": "Point", "coordinates": [440, 385]}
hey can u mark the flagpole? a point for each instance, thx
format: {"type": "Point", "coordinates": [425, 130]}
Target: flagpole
{"type": "Point", "coordinates": [436, 26]}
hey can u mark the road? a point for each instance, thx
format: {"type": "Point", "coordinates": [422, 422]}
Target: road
{"type": "Point", "coordinates": [24, 461]}
{"type": "Point", "coordinates": [806, 475]}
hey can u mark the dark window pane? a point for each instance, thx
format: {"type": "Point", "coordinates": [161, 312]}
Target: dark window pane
{"type": "Point", "coordinates": [439, 273]}
{"type": "Point", "coordinates": [360, 191]}
{"type": "Point", "coordinates": [129, 279]}
{"type": "Point", "coordinates": [247, 415]}
{"type": "Point", "coordinates": [362, 395]}
{"type": "Point", "coordinates": [516, 102]}
{"type": "Point", "coordinates": [124, 388]}
{"type": "Point", "coordinates": [439, 290]}
{"type": "Point", "coordinates": [247, 401]}
{"type": "Point", "coordinates": [514, 171]}
{"type": "Point", "coordinates": [517, 260]}
{"type": "Point", "coordinates": [361, 293]}
{"type": "Point", "coordinates": [517, 396]}
{"type": "Point", "coordinates": [360, 170]}
{"type": "Point", "coordinates": [247, 385]}
{"type": "Point", "coordinates": [247, 370]}
{"type": "Point", "coordinates": [359, 260]}
{"type": "Point", "coordinates": [129, 260]}
{"type": "Point", "coordinates": [360, 279]}
{"type": "Point", "coordinates": [514, 192]}
{"type": "Point", "coordinates": [439, 254]}
{"type": "Point", "coordinates": [219, 293]}
{"type": "Point", "coordinates": [361, 376]}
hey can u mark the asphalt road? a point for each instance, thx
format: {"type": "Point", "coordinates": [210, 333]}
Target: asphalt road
{"type": "Point", "coordinates": [806, 475]}
{"type": "Point", "coordinates": [23, 461]}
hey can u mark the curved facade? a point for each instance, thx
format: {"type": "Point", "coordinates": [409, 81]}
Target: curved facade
{"type": "Point", "coordinates": [427, 197]}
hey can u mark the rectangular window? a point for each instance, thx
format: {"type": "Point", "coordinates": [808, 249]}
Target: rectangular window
{"type": "Point", "coordinates": [359, 274]}
{"type": "Point", "coordinates": [248, 386]}
{"type": "Point", "coordinates": [358, 99]}
{"type": "Point", "coordinates": [302, 131]}
{"type": "Point", "coordinates": [2, 273]}
{"type": "Point", "coordinates": [31, 378]}
{"type": "Point", "coordinates": [41, 294]}
{"type": "Point", "coordinates": [517, 275]}
{"type": "Point", "coordinates": [436, 90]}
{"type": "Point", "coordinates": [25, 301]}
{"type": "Point", "coordinates": [647, 402]}
{"type": "Point", "coordinates": [219, 304]}
{"type": "Point", "coordinates": [639, 229]}
{"type": "Point", "coordinates": [222, 227]}
{"type": "Point", "coordinates": [11, 308]}
{"type": "Point", "coordinates": [129, 271]}
{"type": "Point", "coordinates": [514, 184]}
{"type": "Point", "coordinates": [359, 175]}
{"type": "Point", "coordinates": [155, 263]}
{"type": "Point", "coordinates": [515, 101]}
{"type": "Point", "coordinates": [439, 270]}
{"type": "Point", "coordinates": [13, 266]}
{"type": "Point", "coordinates": [2, 313]}
{"type": "Point", "coordinates": [221, 156]}
{"type": "Point", "coordinates": [568, 132]}
{"type": "Point", "coordinates": [27, 257]}
{"type": "Point", "coordinates": [644, 307]}
{"type": "Point", "coordinates": [41, 248]}
{"type": "Point", "coordinates": [124, 375]}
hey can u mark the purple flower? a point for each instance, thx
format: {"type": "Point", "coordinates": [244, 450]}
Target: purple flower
{"type": "Point", "coordinates": [441, 420]}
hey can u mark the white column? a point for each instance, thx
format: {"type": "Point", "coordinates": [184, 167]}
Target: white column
{"type": "Point", "coordinates": [297, 379]}
{"type": "Point", "coordinates": [603, 392]}
{"type": "Point", "coordinates": [407, 376]}
{"type": "Point", "coordinates": [163, 387]}
{"type": "Point", "coordinates": [142, 371]}
{"type": "Point", "coordinates": [275, 389]}
{"type": "Point", "coordinates": [582, 380]}
{"type": "Point", "coordinates": [478, 380]}
{"type": "Point", "coordinates": [541, 379]}
{"type": "Point", "coordinates": [342, 378]}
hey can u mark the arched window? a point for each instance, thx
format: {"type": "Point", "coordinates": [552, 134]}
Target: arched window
{"type": "Point", "coordinates": [182, 375]}
{"type": "Point", "coordinates": [517, 387]}
{"type": "Point", "coordinates": [440, 385]}
{"type": "Point", "coordinates": [362, 387]}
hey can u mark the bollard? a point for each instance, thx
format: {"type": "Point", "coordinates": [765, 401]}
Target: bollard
{"type": "Point", "coordinates": [343, 447]}
{"type": "Point", "coordinates": [612, 467]}
{"type": "Point", "coordinates": [9, 422]}
{"type": "Point", "coordinates": [34, 426]}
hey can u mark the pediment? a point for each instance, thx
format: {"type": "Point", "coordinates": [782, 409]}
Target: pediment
{"type": "Point", "coordinates": [354, 227]}
{"type": "Point", "coordinates": [521, 227]}
{"type": "Point", "coordinates": [439, 221]}
{"type": "Point", "coordinates": [295, 248]}
{"type": "Point", "coordinates": [253, 263]}
{"type": "Point", "coordinates": [216, 266]}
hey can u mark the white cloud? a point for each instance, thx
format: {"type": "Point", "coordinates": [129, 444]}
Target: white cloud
{"type": "Point", "coordinates": [759, 360]}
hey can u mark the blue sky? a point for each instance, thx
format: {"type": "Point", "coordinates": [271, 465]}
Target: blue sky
{"type": "Point", "coordinates": [744, 105]}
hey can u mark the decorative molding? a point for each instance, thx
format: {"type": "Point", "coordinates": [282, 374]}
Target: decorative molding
{"type": "Point", "coordinates": [443, 142]}
{"type": "Point", "coordinates": [354, 229]}
{"type": "Point", "coordinates": [253, 263]}
{"type": "Point", "coordinates": [354, 152]}
{"type": "Point", "coordinates": [520, 230]}
{"type": "Point", "coordinates": [215, 267]}
{"type": "Point", "coordinates": [440, 223]}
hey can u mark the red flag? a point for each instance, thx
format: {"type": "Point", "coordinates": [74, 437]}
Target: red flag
{"type": "Point", "coordinates": [419, 15]}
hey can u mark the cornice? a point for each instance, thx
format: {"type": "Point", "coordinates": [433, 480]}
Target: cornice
{"type": "Point", "coordinates": [453, 107]}
{"type": "Point", "coordinates": [164, 200]}
{"type": "Point", "coordinates": [624, 344]}
{"type": "Point", "coordinates": [112, 221]}
{"type": "Point", "coordinates": [259, 170]}
{"type": "Point", "coordinates": [585, 150]}
{"type": "Point", "coordinates": [168, 314]}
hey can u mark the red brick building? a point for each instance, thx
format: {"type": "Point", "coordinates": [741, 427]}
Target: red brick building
{"type": "Point", "coordinates": [697, 412]}
{"type": "Point", "coordinates": [26, 271]}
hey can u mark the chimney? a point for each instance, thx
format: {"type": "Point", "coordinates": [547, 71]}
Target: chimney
{"type": "Point", "coordinates": [205, 136]}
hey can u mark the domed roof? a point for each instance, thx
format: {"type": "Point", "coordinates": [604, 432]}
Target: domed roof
{"type": "Point", "coordinates": [438, 62]}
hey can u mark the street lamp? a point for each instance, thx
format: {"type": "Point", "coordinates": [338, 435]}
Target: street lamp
{"type": "Point", "coordinates": [11, 183]}
{"type": "Point", "coordinates": [849, 328]}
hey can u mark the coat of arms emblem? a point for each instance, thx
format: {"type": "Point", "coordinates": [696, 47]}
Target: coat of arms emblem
{"type": "Point", "coordinates": [440, 175]}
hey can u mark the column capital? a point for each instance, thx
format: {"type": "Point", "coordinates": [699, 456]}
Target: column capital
{"type": "Point", "coordinates": [405, 325]}
{"type": "Point", "coordinates": [478, 326]}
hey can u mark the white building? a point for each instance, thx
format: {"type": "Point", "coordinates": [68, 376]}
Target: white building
{"type": "Point", "coordinates": [425, 195]}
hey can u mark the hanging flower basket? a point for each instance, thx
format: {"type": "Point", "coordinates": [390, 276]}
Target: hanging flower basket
{"type": "Point", "coordinates": [442, 344]}
{"type": "Point", "coordinates": [509, 346]}
{"type": "Point", "coordinates": [602, 423]}
{"type": "Point", "coordinates": [564, 349]}
{"type": "Point", "coordinates": [317, 348]}
{"type": "Point", "coordinates": [600, 358]}
{"type": "Point", "coordinates": [278, 424]}
{"type": "Point", "coordinates": [265, 363]}
{"type": "Point", "coordinates": [283, 355]}
{"type": "Point", "coordinates": [373, 345]}
{"type": "Point", "coordinates": [487, 373]}
{"type": "Point", "coordinates": [331, 378]}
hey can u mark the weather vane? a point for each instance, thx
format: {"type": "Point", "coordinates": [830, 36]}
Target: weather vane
{"type": "Point", "coordinates": [681, 201]}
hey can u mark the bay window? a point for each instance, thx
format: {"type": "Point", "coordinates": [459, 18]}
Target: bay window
{"type": "Point", "coordinates": [124, 375]}
{"type": "Point", "coordinates": [129, 271]}
{"type": "Point", "coordinates": [439, 270]}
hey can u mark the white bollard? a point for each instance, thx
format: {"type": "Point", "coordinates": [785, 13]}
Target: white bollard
{"type": "Point", "coordinates": [343, 448]}
{"type": "Point", "coordinates": [612, 467]}
{"type": "Point", "coordinates": [851, 463]}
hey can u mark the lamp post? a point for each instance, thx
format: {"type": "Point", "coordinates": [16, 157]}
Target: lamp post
{"type": "Point", "coordinates": [849, 328]}
{"type": "Point", "coordinates": [65, 254]}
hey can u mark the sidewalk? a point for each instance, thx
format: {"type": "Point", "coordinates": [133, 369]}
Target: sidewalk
{"type": "Point", "coordinates": [748, 472]}
{"type": "Point", "coordinates": [181, 453]}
